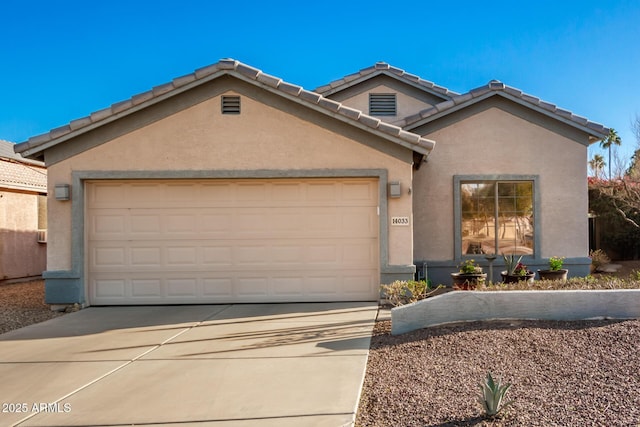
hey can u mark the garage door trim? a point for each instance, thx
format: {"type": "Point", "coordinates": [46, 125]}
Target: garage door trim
{"type": "Point", "coordinates": [77, 275]}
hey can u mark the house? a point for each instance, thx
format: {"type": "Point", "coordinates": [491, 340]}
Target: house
{"type": "Point", "coordinates": [231, 185]}
{"type": "Point", "coordinates": [23, 216]}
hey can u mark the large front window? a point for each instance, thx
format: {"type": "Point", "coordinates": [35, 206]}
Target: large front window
{"type": "Point", "coordinates": [497, 217]}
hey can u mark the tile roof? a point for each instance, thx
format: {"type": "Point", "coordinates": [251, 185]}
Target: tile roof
{"type": "Point", "coordinates": [18, 173]}
{"type": "Point", "coordinates": [495, 87]}
{"type": "Point", "coordinates": [35, 145]}
{"type": "Point", "coordinates": [7, 151]}
{"type": "Point", "coordinates": [386, 69]}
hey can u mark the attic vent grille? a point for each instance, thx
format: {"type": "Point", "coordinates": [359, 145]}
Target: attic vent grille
{"type": "Point", "coordinates": [382, 104]}
{"type": "Point", "coordinates": [230, 105]}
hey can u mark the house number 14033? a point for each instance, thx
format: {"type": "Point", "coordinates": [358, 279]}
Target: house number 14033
{"type": "Point", "coordinates": [399, 220]}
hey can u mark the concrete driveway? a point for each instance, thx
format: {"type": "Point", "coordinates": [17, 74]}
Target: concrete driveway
{"type": "Point", "coordinates": [231, 365]}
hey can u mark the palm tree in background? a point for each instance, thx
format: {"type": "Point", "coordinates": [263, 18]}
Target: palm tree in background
{"type": "Point", "coordinates": [597, 164]}
{"type": "Point", "coordinates": [612, 139]}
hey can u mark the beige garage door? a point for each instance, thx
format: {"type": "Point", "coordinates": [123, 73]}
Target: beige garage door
{"type": "Point", "coordinates": [215, 241]}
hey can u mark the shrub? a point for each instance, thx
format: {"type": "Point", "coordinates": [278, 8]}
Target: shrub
{"type": "Point", "coordinates": [470, 267]}
{"type": "Point", "coordinates": [403, 292]}
{"type": "Point", "coordinates": [555, 263]}
{"type": "Point", "coordinates": [598, 259]}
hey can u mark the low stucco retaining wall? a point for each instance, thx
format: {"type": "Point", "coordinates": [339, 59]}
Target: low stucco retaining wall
{"type": "Point", "coordinates": [463, 306]}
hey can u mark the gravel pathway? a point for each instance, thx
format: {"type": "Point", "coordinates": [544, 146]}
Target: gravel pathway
{"type": "Point", "coordinates": [584, 373]}
{"type": "Point", "coordinates": [22, 304]}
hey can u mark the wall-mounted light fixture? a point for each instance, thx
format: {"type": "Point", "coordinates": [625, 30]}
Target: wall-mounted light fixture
{"type": "Point", "coordinates": [63, 192]}
{"type": "Point", "coordinates": [395, 189]}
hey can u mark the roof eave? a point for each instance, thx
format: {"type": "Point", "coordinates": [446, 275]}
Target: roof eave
{"type": "Point", "coordinates": [33, 147]}
{"type": "Point", "coordinates": [26, 149]}
{"type": "Point", "coordinates": [423, 146]}
{"type": "Point", "coordinates": [356, 81]}
{"type": "Point", "coordinates": [594, 135]}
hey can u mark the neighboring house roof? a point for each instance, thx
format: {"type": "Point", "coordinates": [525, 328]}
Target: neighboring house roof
{"type": "Point", "coordinates": [497, 88]}
{"type": "Point", "coordinates": [35, 146]}
{"type": "Point", "coordinates": [382, 68]}
{"type": "Point", "coordinates": [18, 173]}
{"type": "Point", "coordinates": [7, 151]}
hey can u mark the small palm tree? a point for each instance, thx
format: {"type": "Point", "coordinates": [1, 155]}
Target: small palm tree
{"type": "Point", "coordinates": [597, 164]}
{"type": "Point", "coordinates": [612, 139]}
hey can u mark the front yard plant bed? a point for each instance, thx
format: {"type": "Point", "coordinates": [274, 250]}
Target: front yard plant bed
{"type": "Point", "coordinates": [465, 306]}
{"type": "Point", "coordinates": [579, 373]}
{"type": "Point", "coordinates": [563, 373]}
{"type": "Point", "coordinates": [574, 299]}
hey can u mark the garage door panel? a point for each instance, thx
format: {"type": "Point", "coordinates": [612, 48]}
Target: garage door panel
{"type": "Point", "coordinates": [202, 255]}
{"type": "Point", "coordinates": [232, 241]}
{"type": "Point", "coordinates": [146, 257]}
{"type": "Point", "coordinates": [217, 289]}
{"type": "Point", "coordinates": [108, 258]}
{"type": "Point", "coordinates": [109, 288]}
{"type": "Point", "coordinates": [357, 192]}
{"type": "Point", "coordinates": [252, 287]}
{"type": "Point", "coordinates": [219, 256]}
{"type": "Point", "coordinates": [185, 287]}
{"type": "Point", "coordinates": [146, 287]}
{"type": "Point", "coordinates": [186, 256]}
{"type": "Point", "coordinates": [111, 224]}
{"type": "Point", "coordinates": [144, 224]}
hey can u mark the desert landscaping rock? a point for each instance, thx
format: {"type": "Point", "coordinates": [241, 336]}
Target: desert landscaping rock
{"type": "Point", "coordinates": [563, 373]}
{"type": "Point", "coordinates": [22, 304]}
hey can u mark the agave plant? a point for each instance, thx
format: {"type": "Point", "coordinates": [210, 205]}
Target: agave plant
{"type": "Point", "coordinates": [511, 263]}
{"type": "Point", "coordinates": [492, 396]}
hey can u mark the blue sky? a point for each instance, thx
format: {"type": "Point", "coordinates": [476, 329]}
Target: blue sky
{"type": "Point", "coordinates": [61, 60]}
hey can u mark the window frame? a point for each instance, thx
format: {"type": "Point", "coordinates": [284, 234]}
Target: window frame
{"type": "Point", "coordinates": [458, 180]}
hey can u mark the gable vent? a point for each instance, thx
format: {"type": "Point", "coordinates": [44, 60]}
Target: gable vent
{"type": "Point", "coordinates": [382, 104]}
{"type": "Point", "coordinates": [230, 105]}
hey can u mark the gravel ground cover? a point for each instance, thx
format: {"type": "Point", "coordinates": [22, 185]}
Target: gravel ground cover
{"type": "Point", "coordinates": [584, 373]}
{"type": "Point", "coordinates": [22, 304]}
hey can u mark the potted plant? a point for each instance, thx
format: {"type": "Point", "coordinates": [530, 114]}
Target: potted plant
{"type": "Point", "coordinates": [469, 277]}
{"type": "Point", "coordinates": [555, 271]}
{"type": "Point", "coordinates": [516, 271]}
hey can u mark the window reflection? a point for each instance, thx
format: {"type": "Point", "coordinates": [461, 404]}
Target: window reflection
{"type": "Point", "coordinates": [497, 217]}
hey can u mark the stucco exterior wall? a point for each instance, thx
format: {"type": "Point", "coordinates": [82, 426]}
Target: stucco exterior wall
{"type": "Point", "coordinates": [20, 253]}
{"type": "Point", "coordinates": [262, 137]}
{"type": "Point", "coordinates": [494, 142]}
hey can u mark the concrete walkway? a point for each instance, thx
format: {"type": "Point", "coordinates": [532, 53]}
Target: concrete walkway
{"type": "Point", "coordinates": [231, 365]}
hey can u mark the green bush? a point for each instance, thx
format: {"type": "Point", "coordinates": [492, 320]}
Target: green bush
{"type": "Point", "coordinates": [403, 292]}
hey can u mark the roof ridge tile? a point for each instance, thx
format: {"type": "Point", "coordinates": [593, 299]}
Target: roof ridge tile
{"type": "Point", "coordinates": [269, 80]}
{"type": "Point", "coordinates": [389, 128]}
{"type": "Point", "coordinates": [498, 86]}
{"type": "Point", "coordinates": [329, 104]}
{"type": "Point", "coordinates": [349, 112]}
{"type": "Point", "coordinates": [372, 122]}
{"type": "Point", "coordinates": [184, 80]}
{"type": "Point", "coordinates": [142, 97]}
{"type": "Point", "coordinates": [227, 64]}
{"type": "Point", "coordinates": [96, 116]}
{"type": "Point", "coordinates": [290, 88]}
{"type": "Point", "coordinates": [162, 89]}
{"type": "Point", "coordinates": [60, 131]}
{"type": "Point", "coordinates": [310, 96]}
{"type": "Point", "coordinates": [122, 106]}
{"type": "Point", "coordinates": [247, 70]}
{"type": "Point", "coordinates": [206, 71]}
